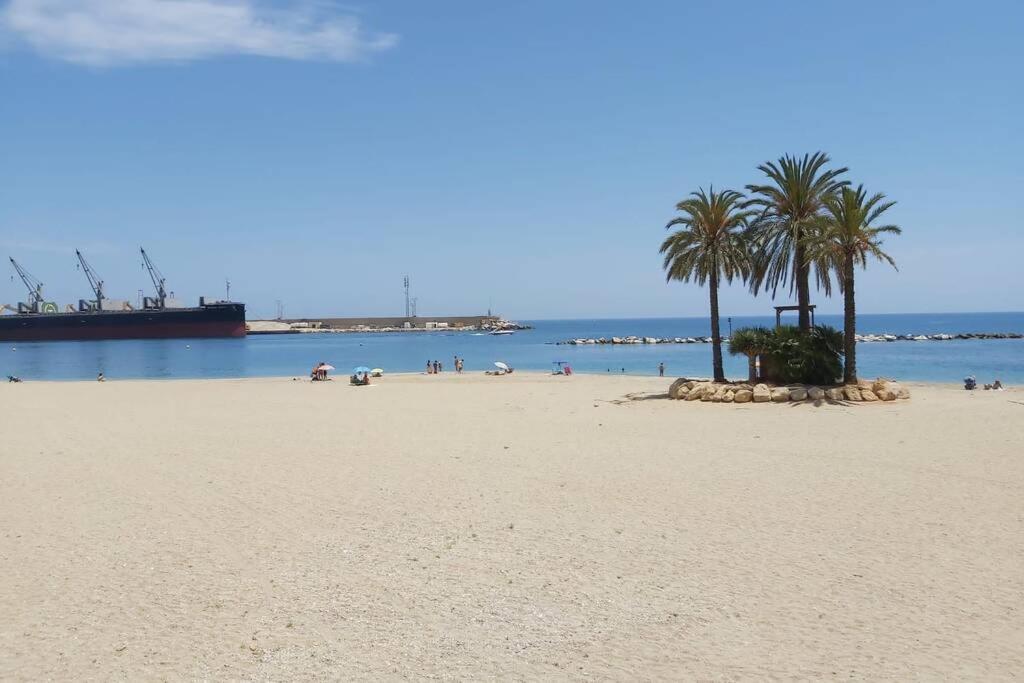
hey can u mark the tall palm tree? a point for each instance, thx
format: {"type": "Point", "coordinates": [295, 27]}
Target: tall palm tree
{"type": "Point", "coordinates": [845, 238]}
{"type": "Point", "coordinates": [709, 246]}
{"type": "Point", "coordinates": [789, 206]}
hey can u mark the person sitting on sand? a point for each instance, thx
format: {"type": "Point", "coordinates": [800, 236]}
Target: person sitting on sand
{"type": "Point", "coordinates": [101, 378]}
{"type": "Point", "coordinates": [997, 385]}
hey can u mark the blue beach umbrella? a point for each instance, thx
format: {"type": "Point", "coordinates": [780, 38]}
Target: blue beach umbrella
{"type": "Point", "coordinates": [361, 370]}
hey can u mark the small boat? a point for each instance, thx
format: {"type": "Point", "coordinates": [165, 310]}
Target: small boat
{"type": "Point", "coordinates": [498, 333]}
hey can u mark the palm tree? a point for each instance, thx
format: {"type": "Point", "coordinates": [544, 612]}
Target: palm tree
{"type": "Point", "coordinates": [789, 206]}
{"type": "Point", "coordinates": [750, 342]}
{"type": "Point", "coordinates": [845, 238]}
{"type": "Point", "coordinates": [708, 246]}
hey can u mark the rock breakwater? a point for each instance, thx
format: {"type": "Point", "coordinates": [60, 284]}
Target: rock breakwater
{"type": "Point", "coordinates": [864, 338]}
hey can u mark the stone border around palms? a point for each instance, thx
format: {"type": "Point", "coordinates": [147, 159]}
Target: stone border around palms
{"type": "Point", "coordinates": [880, 390]}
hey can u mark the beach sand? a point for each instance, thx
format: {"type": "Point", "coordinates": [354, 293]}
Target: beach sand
{"type": "Point", "coordinates": [474, 527]}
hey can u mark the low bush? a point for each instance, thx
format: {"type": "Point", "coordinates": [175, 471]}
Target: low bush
{"type": "Point", "coordinates": [788, 357]}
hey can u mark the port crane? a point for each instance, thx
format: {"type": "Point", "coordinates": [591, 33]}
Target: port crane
{"type": "Point", "coordinates": [94, 281]}
{"type": "Point", "coordinates": [158, 283]}
{"type": "Point", "coordinates": [35, 290]}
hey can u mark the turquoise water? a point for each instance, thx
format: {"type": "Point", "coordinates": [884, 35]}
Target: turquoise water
{"type": "Point", "coordinates": [294, 355]}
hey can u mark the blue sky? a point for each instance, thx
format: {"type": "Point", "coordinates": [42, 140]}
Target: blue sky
{"type": "Point", "coordinates": [521, 154]}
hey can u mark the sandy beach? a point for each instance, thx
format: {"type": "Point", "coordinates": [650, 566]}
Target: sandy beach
{"type": "Point", "coordinates": [526, 526]}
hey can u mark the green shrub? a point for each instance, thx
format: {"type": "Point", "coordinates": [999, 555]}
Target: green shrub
{"type": "Point", "coordinates": [812, 358]}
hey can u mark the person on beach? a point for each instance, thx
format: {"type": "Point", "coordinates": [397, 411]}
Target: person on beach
{"type": "Point", "coordinates": [429, 369]}
{"type": "Point", "coordinates": [661, 369]}
{"type": "Point", "coordinates": [101, 378]}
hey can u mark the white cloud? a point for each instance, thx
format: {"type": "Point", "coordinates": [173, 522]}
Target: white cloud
{"type": "Point", "coordinates": [115, 32]}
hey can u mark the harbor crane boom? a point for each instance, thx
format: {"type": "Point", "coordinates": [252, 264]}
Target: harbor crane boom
{"type": "Point", "coordinates": [34, 286]}
{"type": "Point", "coordinates": [94, 280]}
{"type": "Point", "coordinates": [158, 280]}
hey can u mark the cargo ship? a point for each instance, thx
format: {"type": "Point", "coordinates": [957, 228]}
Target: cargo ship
{"type": "Point", "coordinates": [158, 317]}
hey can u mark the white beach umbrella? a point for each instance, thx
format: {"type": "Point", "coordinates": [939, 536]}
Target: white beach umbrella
{"type": "Point", "coordinates": [325, 366]}
{"type": "Point", "coordinates": [500, 365]}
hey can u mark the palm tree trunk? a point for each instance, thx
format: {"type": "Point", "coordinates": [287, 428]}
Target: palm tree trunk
{"type": "Point", "coordinates": [752, 368]}
{"type": "Point", "coordinates": [849, 323]}
{"type": "Point", "coordinates": [716, 336]}
{"type": "Point", "coordinates": [803, 287]}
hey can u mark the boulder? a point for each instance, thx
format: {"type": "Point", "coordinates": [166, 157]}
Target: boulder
{"type": "Point", "coordinates": [720, 394]}
{"type": "Point", "coordinates": [780, 395]}
{"type": "Point", "coordinates": [678, 386]}
{"type": "Point", "coordinates": [744, 385]}
{"type": "Point", "coordinates": [696, 392]}
{"type": "Point", "coordinates": [851, 393]}
{"type": "Point", "coordinates": [886, 392]}
{"type": "Point", "coordinates": [743, 396]}
{"type": "Point", "coordinates": [903, 392]}
{"type": "Point", "coordinates": [761, 394]}
{"type": "Point", "coordinates": [815, 393]}
{"type": "Point", "coordinates": [729, 397]}
{"type": "Point", "coordinates": [797, 394]}
{"type": "Point", "coordinates": [709, 394]}
{"type": "Point", "coordinates": [868, 395]}
{"type": "Point", "coordinates": [835, 394]}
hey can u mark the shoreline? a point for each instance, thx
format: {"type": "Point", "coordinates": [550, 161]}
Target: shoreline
{"type": "Point", "coordinates": [343, 379]}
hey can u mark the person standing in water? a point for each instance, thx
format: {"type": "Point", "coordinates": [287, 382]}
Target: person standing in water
{"type": "Point", "coordinates": [661, 369]}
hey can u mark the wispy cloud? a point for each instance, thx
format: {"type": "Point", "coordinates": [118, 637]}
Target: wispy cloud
{"type": "Point", "coordinates": [117, 32]}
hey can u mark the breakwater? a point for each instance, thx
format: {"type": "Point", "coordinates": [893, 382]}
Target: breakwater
{"type": "Point", "coordinates": [865, 338]}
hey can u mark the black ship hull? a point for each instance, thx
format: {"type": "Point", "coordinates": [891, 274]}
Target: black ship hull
{"type": "Point", "coordinates": [211, 320]}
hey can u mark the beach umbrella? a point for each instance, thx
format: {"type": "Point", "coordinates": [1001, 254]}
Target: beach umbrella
{"type": "Point", "coordinates": [361, 370]}
{"type": "Point", "coordinates": [376, 372]}
{"type": "Point", "coordinates": [500, 365]}
{"type": "Point", "coordinates": [326, 366]}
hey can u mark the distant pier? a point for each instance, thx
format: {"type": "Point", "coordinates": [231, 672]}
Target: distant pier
{"type": "Point", "coordinates": [395, 324]}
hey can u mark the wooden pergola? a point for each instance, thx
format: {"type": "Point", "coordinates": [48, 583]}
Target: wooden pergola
{"type": "Point", "coordinates": [779, 310]}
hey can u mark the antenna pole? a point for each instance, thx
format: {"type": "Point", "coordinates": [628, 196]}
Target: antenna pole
{"type": "Point", "coordinates": [408, 309]}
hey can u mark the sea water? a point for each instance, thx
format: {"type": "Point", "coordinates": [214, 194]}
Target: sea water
{"type": "Point", "coordinates": [295, 354]}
